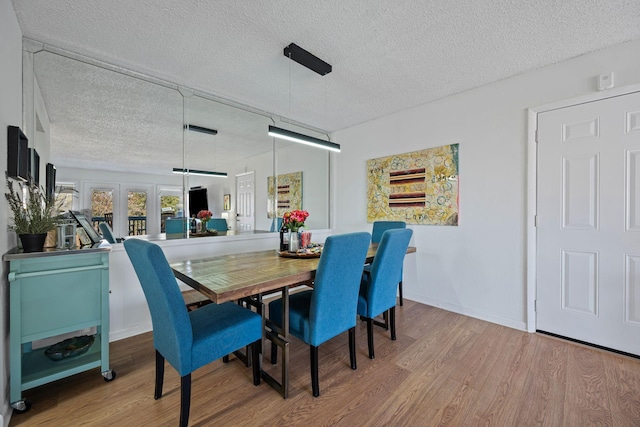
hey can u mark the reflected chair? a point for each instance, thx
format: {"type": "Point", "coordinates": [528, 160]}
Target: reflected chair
{"type": "Point", "coordinates": [378, 288]}
{"type": "Point", "coordinates": [189, 340]}
{"type": "Point", "coordinates": [317, 315]}
{"type": "Point", "coordinates": [380, 227]}
{"type": "Point", "coordinates": [276, 225]}
{"type": "Point", "coordinates": [176, 228]}
{"type": "Point", "coordinates": [107, 233]}
{"type": "Point", "coordinates": [218, 224]}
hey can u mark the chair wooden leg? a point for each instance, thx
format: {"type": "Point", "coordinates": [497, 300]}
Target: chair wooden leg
{"type": "Point", "coordinates": [225, 359]}
{"type": "Point", "coordinates": [274, 353]}
{"type": "Point", "coordinates": [255, 356]}
{"type": "Point", "coordinates": [370, 338]}
{"type": "Point", "coordinates": [352, 348]}
{"type": "Point", "coordinates": [400, 291]}
{"type": "Point", "coordinates": [185, 399]}
{"type": "Point", "coordinates": [392, 322]}
{"type": "Point", "coordinates": [159, 375]}
{"type": "Point", "coordinates": [384, 324]}
{"type": "Point", "coordinates": [313, 353]}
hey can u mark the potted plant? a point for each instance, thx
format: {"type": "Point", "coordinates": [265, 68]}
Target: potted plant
{"type": "Point", "coordinates": [34, 214]}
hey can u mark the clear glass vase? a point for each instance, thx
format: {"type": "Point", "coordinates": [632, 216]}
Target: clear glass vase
{"type": "Point", "coordinates": [294, 241]}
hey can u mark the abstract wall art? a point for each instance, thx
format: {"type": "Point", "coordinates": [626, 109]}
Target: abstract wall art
{"type": "Point", "coordinates": [420, 187]}
{"type": "Point", "coordinates": [288, 195]}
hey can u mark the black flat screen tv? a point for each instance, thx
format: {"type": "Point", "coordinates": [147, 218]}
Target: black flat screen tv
{"type": "Point", "coordinates": [197, 201]}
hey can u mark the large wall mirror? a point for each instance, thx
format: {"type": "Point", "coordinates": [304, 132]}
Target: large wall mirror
{"type": "Point", "coordinates": [116, 139]}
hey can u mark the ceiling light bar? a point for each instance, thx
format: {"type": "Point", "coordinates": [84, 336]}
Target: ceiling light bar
{"type": "Point", "coordinates": [303, 139]}
{"type": "Point", "coordinates": [309, 60]}
{"type": "Point", "coordinates": [199, 172]}
{"type": "Point", "coordinates": [201, 129]}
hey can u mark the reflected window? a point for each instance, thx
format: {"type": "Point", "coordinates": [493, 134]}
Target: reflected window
{"type": "Point", "coordinates": [65, 194]}
{"type": "Point", "coordinates": [101, 207]}
{"type": "Point", "coordinates": [170, 205]}
{"type": "Point", "coordinates": [137, 212]}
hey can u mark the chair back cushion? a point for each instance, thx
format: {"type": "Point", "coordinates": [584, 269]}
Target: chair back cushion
{"type": "Point", "coordinates": [172, 334]}
{"type": "Point", "coordinates": [106, 232]}
{"type": "Point", "coordinates": [335, 292]}
{"type": "Point", "coordinates": [219, 224]}
{"type": "Point", "coordinates": [380, 288]}
{"type": "Point", "coordinates": [380, 227]}
{"type": "Point", "coordinates": [276, 224]}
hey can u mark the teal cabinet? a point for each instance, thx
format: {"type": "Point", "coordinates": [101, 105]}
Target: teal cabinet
{"type": "Point", "coordinates": [54, 293]}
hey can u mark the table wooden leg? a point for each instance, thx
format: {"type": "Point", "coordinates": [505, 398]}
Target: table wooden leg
{"type": "Point", "coordinates": [278, 336]}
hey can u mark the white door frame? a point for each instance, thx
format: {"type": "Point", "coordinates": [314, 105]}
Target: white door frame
{"type": "Point", "coordinates": [532, 189]}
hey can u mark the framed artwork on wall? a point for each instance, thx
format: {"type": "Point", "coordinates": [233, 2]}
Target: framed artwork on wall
{"type": "Point", "coordinates": [420, 187]}
{"type": "Point", "coordinates": [226, 202]}
{"type": "Point", "coordinates": [288, 195]}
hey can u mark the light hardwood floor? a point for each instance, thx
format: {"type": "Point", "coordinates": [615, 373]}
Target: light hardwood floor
{"type": "Point", "coordinates": [444, 369]}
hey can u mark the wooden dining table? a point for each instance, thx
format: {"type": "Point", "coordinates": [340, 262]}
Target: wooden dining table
{"type": "Point", "coordinates": [238, 276]}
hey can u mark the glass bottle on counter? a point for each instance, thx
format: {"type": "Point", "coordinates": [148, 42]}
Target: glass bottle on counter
{"type": "Point", "coordinates": [284, 238]}
{"type": "Point", "coordinates": [194, 226]}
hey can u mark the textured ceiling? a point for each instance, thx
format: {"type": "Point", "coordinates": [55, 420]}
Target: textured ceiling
{"type": "Point", "coordinates": [386, 56]}
{"type": "Point", "coordinates": [107, 120]}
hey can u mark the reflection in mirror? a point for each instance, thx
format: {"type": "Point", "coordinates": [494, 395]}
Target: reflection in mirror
{"type": "Point", "coordinates": [111, 132]}
{"type": "Point", "coordinates": [240, 148]}
{"type": "Point", "coordinates": [303, 169]}
{"type": "Point", "coordinates": [105, 120]}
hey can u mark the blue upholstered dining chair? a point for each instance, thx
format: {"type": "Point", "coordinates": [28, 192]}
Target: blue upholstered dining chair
{"type": "Point", "coordinates": [378, 288]}
{"type": "Point", "coordinates": [218, 224]}
{"type": "Point", "coordinates": [189, 340]}
{"type": "Point", "coordinates": [106, 232]}
{"type": "Point", "coordinates": [380, 227]}
{"type": "Point", "coordinates": [317, 315]}
{"type": "Point", "coordinates": [276, 224]}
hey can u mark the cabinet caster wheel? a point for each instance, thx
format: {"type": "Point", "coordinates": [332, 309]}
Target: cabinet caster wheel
{"type": "Point", "coordinates": [21, 406]}
{"type": "Point", "coordinates": [109, 375]}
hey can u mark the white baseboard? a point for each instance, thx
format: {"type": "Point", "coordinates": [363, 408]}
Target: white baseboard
{"type": "Point", "coordinates": [510, 323]}
{"type": "Point", "coordinates": [138, 329]}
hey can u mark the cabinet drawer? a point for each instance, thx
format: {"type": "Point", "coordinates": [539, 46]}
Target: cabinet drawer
{"type": "Point", "coordinates": [59, 301]}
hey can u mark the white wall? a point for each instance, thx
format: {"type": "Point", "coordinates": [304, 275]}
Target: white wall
{"type": "Point", "coordinates": [10, 114]}
{"type": "Point", "coordinates": [479, 267]}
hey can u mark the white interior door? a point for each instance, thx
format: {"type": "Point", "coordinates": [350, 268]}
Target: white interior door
{"type": "Point", "coordinates": [588, 232]}
{"type": "Point", "coordinates": [245, 201]}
